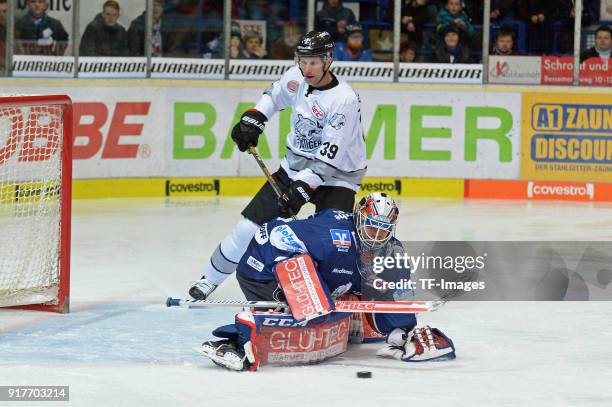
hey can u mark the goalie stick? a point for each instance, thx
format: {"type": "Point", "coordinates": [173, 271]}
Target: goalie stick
{"type": "Point", "coordinates": [385, 307]}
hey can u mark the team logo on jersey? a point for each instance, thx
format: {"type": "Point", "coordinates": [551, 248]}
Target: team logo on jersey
{"type": "Point", "coordinates": [341, 238]}
{"type": "Point", "coordinates": [256, 264]}
{"type": "Point", "coordinates": [307, 131]}
{"type": "Point", "coordinates": [284, 238]}
{"type": "Point", "coordinates": [292, 86]}
{"type": "Point", "coordinates": [317, 111]}
{"type": "Point", "coordinates": [337, 121]}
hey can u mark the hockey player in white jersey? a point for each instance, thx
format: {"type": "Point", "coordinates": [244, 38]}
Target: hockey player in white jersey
{"type": "Point", "coordinates": [326, 154]}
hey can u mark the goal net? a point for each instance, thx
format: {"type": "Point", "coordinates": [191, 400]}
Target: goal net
{"type": "Point", "coordinates": [35, 195]}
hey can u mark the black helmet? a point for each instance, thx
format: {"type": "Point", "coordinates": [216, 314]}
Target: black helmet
{"type": "Point", "coordinates": [315, 43]}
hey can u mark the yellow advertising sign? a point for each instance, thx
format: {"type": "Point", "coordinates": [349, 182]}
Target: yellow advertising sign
{"type": "Point", "coordinates": [567, 137]}
{"type": "Point", "coordinates": [242, 186]}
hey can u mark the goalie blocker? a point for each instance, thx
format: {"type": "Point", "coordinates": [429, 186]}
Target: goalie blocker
{"type": "Point", "coordinates": [306, 296]}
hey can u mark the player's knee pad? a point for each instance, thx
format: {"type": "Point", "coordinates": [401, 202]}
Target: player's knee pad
{"type": "Point", "coordinates": [226, 256]}
{"type": "Point", "coordinates": [234, 245]}
{"type": "Point", "coordinates": [273, 338]}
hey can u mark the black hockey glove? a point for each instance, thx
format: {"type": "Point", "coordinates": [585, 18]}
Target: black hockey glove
{"type": "Point", "coordinates": [246, 132]}
{"type": "Point", "coordinates": [298, 194]}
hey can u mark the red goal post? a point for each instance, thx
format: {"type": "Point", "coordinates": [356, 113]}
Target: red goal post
{"type": "Point", "coordinates": [36, 135]}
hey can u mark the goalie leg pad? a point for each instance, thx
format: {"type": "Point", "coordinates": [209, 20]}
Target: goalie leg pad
{"type": "Point", "coordinates": [418, 345]}
{"type": "Point", "coordinates": [282, 340]}
{"type": "Point", "coordinates": [386, 323]}
{"type": "Point", "coordinates": [262, 338]}
{"type": "Point", "coordinates": [362, 329]}
{"type": "Point", "coordinates": [306, 295]}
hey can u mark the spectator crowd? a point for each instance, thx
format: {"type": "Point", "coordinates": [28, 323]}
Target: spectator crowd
{"type": "Point", "coordinates": [439, 31]}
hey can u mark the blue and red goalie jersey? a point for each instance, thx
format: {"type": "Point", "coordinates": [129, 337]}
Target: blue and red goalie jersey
{"type": "Point", "coordinates": [329, 238]}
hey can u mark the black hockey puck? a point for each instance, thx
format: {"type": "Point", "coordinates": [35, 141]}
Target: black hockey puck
{"type": "Point", "coordinates": [364, 374]}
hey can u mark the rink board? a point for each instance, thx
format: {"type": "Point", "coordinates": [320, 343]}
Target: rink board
{"type": "Point", "coordinates": [149, 138]}
{"type": "Point", "coordinates": [398, 187]}
{"type": "Point", "coordinates": [248, 186]}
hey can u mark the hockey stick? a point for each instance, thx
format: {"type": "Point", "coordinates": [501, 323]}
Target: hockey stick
{"type": "Point", "coordinates": [264, 168]}
{"type": "Point", "coordinates": [384, 307]}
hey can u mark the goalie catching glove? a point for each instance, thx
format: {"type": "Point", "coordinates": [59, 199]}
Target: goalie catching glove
{"type": "Point", "coordinates": [418, 345]}
{"type": "Point", "coordinates": [246, 132]}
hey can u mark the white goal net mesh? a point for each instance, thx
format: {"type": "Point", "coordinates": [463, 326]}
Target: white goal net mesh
{"type": "Point", "coordinates": [31, 141]}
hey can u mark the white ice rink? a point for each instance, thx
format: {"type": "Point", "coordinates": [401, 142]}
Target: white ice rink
{"type": "Point", "coordinates": [120, 345]}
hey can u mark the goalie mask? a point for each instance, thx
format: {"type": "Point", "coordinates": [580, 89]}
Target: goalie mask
{"type": "Point", "coordinates": [375, 218]}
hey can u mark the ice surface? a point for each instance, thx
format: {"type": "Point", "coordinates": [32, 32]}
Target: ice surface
{"type": "Point", "coordinates": [120, 346]}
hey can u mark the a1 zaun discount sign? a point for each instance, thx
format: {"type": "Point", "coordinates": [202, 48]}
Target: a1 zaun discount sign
{"type": "Point", "coordinates": [567, 137]}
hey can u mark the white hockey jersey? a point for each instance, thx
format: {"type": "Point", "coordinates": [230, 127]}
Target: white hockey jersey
{"type": "Point", "coordinates": [326, 145]}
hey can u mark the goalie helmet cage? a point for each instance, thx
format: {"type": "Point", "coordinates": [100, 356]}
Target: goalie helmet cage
{"type": "Point", "coordinates": [35, 201]}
